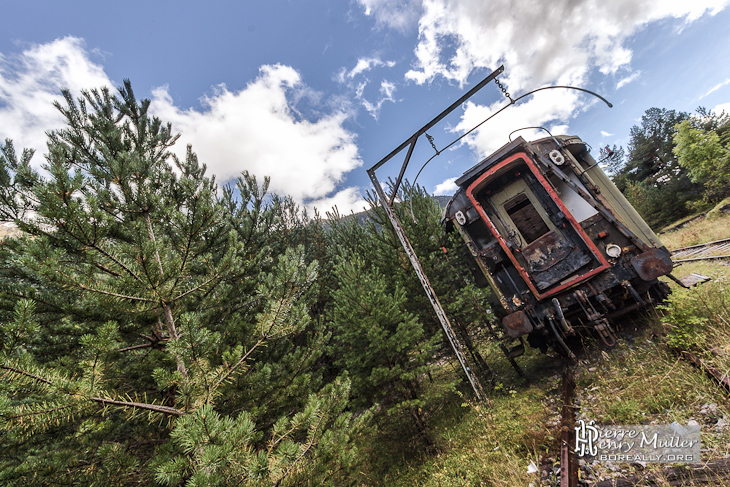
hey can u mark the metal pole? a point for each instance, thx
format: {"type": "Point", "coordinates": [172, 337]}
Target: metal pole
{"type": "Point", "coordinates": [412, 139]}
{"type": "Point", "coordinates": [473, 380]}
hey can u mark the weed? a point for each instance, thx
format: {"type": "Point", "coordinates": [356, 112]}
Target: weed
{"type": "Point", "coordinates": [700, 231]}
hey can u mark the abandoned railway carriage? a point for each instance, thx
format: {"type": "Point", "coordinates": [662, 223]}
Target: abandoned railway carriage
{"type": "Point", "coordinates": [562, 249]}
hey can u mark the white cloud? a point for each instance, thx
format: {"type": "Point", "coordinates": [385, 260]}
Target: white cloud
{"type": "Point", "coordinates": [401, 15]}
{"type": "Point", "coordinates": [256, 129]}
{"type": "Point", "coordinates": [363, 65]}
{"type": "Point", "coordinates": [385, 93]}
{"type": "Point", "coordinates": [347, 200]}
{"type": "Point", "coordinates": [31, 81]}
{"type": "Point", "coordinates": [446, 187]}
{"type": "Point", "coordinates": [539, 42]}
{"type": "Point", "coordinates": [628, 79]}
{"type": "Point", "coordinates": [716, 87]}
{"type": "Point", "coordinates": [387, 89]}
{"type": "Point", "coordinates": [606, 134]}
{"type": "Point", "coordinates": [722, 107]}
{"type": "Point", "coordinates": [542, 110]}
{"type": "Point", "coordinates": [560, 42]}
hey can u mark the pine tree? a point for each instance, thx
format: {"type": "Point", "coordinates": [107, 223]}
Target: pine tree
{"type": "Point", "coordinates": [153, 330]}
{"type": "Point", "coordinates": [651, 164]}
{"type": "Point", "coordinates": [382, 346]}
{"type": "Point", "coordinates": [385, 333]}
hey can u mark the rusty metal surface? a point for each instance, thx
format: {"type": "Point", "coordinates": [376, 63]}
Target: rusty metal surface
{"type": "Point", "coordinates": [517, 324]}
{"type": "Point", "coordinates": [546, 251]}
{"type": "Point", "coordinates": [552, 258]}
{"type": "Point", "coordinates": [652, 264]}
{"type": "Point", "coordinates": [693, 279]}
{"type": "Point", "coordinates": [388, 205]}
{"type": "Point", "coordinates": [719, 249]}
{"type": "Point", "coordinates": [568, 460]}
{"type": "Point", "coordinates": [716, 374]}
{"type": "Point", "coordinates": [519, 158]}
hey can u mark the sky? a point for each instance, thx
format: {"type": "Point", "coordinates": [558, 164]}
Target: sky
{"type": "Point", "coordinates": [312, 93]}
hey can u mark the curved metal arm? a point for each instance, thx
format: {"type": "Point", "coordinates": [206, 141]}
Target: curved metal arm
{"type": "Point", "coordinates": [512, 102]}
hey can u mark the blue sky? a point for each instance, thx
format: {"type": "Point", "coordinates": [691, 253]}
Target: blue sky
{"type": "Point", "coordinates": [312, 93]}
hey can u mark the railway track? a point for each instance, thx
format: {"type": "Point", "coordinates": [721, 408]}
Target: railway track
{"type": "Point", "coordinates": [714, 472]}
{"type": "Point", "coordinates": [568, 459]}
{"type": "Point", "coordinates": [719, 249]}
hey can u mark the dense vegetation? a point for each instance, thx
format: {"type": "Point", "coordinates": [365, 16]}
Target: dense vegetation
{"type": "Point", "coordinates": [676, 164]}
{"type": "Point", "coordinates": [156, 329]}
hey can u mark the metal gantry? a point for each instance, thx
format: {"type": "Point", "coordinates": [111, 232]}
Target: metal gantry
{"type": "Point", "coordinates": [387, 202]}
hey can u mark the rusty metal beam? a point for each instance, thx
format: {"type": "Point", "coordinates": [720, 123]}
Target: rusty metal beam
{"type": "Point", "coordinates": [568, 460]}
{"type": "Point", "coordinates": [412, 139]}
{"type": "Point", "coordinates": [440, 313]}
{"type": "Point", "coordinates": [387, 203]}
{"type": "Point", "coordinates": [403, 170]}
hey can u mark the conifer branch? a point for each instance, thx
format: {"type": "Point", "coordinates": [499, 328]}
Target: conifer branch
{"type": "Point", "coordinates": [151, 234]}
{"type": "Point", "coordinates": [134, 347]}
{"type": "Point", "coordinates": [139, 405]}
{"type": "Point", "coordinates": [194, 289]}
{"type": "Point", "coordinates": [42, 411]}
{"type": "Point", "coordinates": [117, 261]}
{"type": "Point", "coordinates": [232, 369]}
{"type": "Point", "coordinates": [116, 295]}
{"type": "Point", "coordinates": [107, 270]}
{"type": "Point", "coordinates": [303, 453]}
{"type": "Point", "coordinates": [172, 332]}
{"type": "Point", "coordinates": [27, 374]}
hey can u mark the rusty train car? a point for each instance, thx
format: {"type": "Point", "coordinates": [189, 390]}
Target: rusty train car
{"type": "Point", "coordinates": [563, 251]}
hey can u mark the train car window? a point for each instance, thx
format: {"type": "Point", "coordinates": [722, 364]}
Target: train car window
{"type": "Point", "coordinates": [525, 217]}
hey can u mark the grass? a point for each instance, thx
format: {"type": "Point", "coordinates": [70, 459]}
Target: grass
{"type": "Point", "coordinates": [490, 443]}
{"type": "Point", "coordinates": [700, 231]}
{"type": "Point", "coordinates": [641, 381]}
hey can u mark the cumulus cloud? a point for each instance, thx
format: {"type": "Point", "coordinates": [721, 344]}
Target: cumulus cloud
{"type": "Point", "coordinates": [256, 129]}
{"type": "Point", "coordinates": [540, 42]}
{"type": "Point", "coordinates": [446, 187]}
{"type": "Point", "coordinates": [561, 42]}
{"type": "Point", "coordinates": [543, 110]}
{"type": "Point", "coordinates": [606, 134]}
{"type": "Point", "coordinates": [723, 107]}
{"type": "Point", "coordinates": [32, 80]}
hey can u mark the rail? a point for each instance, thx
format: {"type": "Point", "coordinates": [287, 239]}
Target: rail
{"type": "Point", "coordinates": [568, 460]}
{"type": "Point", "coordinates": [719, 249]}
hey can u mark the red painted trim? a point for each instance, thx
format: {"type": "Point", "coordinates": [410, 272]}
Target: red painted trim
{"type": "Point", "coordinates": [554, 196]}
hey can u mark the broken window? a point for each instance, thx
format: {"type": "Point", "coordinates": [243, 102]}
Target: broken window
{"type": "Point", "coordinates": [525, 217]}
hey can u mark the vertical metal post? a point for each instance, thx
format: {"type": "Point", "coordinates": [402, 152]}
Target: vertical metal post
{"type": "Point", "coordinates": [473, 380]}
{"type": "Point", "coordinates": [568, 460]}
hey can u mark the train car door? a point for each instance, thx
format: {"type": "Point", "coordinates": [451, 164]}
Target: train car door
{"type": "Point", "coordinates": [537, 232]}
